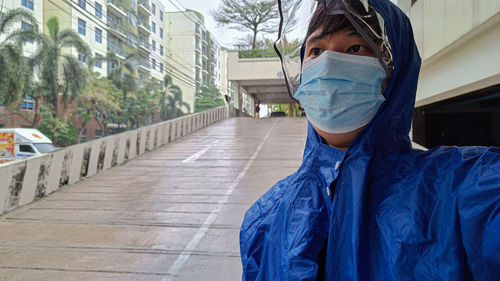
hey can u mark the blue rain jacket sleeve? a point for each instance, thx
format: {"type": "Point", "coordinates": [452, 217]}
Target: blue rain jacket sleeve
{"type": "Point", "coordinates": [394, 212]}
{"type": "Point", "coordinates": [285, 230]}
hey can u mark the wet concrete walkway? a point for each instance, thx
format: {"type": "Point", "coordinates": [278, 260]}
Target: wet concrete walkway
{"type": "Point", "coordinates": [171, 214]}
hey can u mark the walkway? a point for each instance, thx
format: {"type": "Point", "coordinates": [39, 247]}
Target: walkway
{"type": "Point", "coordinates": [171, 214]}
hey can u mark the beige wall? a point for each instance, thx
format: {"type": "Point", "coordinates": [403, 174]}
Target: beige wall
{"type": "Point", "coordinates": [180, 50]}
{"type": "Point", "coordinates": [458, 41]}
{"type": "Point", "coordinates": [253, 69]}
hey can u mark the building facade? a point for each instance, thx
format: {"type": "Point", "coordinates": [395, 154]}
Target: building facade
{"type": "Point", "coordinates": [458, 96]}
{"type": "Point", "coordinates": [27, 104]}
{"type": "Point", "coordinates": [197, 53]}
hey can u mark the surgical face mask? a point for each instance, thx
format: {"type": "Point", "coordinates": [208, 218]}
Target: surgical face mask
{"type": "Point", "coordinates": [341, 93]}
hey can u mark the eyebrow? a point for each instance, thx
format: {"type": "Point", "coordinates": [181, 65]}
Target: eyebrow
{"type": "Point", "coordinates": [312, 39]}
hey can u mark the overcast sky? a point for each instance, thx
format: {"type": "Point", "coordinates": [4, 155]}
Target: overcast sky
{"type": "Point", "coordinates": [227, 37]}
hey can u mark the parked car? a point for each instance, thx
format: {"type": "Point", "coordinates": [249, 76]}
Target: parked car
{"type": "Point", "coordinates": [18, 143]}
{"type": "Point", "coordinates": [278, 114]}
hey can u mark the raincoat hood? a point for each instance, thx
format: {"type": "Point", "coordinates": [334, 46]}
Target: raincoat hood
{"type": "Point", "coordinates": [381, 210]}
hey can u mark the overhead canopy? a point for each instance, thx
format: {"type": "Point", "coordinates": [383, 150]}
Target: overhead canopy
{"type": "Point", "coordinates": [262, 78]}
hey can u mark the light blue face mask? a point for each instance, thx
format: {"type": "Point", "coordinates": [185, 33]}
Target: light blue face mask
{"type": "Point", "coordinates": [341, 93]}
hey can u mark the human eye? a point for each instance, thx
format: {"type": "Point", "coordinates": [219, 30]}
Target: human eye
{"type": "Point", "coordinates": [361, 50]}
{"type": "Point", "coordinates": [315, 52]}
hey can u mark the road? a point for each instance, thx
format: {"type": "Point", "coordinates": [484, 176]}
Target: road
{"type": "Point", "coordinates": [171, 214]}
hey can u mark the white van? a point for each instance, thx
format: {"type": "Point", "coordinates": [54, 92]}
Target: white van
{"type": "Point", "coordinates": [17, 143]}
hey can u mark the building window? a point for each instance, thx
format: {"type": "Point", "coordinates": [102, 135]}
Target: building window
{"type": "Point", "coordinates": [2, 125]}
{"type": "Point", "coordinates": [81, 57]}
{"type": "Point", "coordinates": [98, 134]}
{"type": "Point", "coordinates": [161, 16]}
{"type": "Point", "coordinates": [27, 103]}
{"type": "Point", "coordinates": [161, 67]}
{"type": "Point", "coordinates": [81, 3]}
{"type": "Point", "coordinates": [153, 9]}
{"type": "Point", "coordinates": [98, 35]}
{"type": "Point", "coordinates": [161, 50]}
{"type": "Point", "coordinates": [98, 10]}
{"type": "Point", "coordinates": [26, 26]}
{"type": "Point", "coordinates": [153, 64]}
{"type": "Point", "coordinates": [28, 4]}
{"type": "Point", "coordinates": [84, 135]}
{"type": "Point", "coordinates": [153, 45]}
{"type": "Point", "coordinates": [98, 60]}
{"type": "Point", "coordinates": [153, 27]}
{"type": "Point", "coordinates": [161, 32]}
{"type": "Point", "coordinates": [81, 27]}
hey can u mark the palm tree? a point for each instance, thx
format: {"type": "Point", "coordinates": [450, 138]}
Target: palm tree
{"type": "Point", "coordinates": [171, 101]}
{"type": "Point", "coordinates": [60, 72]}
{"type": "Point", "coordinates": [123, 75]}
{"type": "Point", "coordinates": [11, 54]}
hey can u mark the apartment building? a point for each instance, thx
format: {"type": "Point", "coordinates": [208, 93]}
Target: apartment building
{"type": "Point", "coordinates": [458, 96]}
{"type": "Point", "coordinates": [196, 51]}
{"type": "Point", "coordinates": [36, 7]}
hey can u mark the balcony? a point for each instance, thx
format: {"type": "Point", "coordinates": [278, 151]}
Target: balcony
{"type": "Point", "coordinates": [144, 27]}
{"type": "Point", "coordinates": [119, 52]}
{"type": "Point", "coordinates": [115, 27]}
{"type": "Point", "coordinates": [143, 65]}
{"type": "Point", "coordinates": [115, 7]}
{"type": "Point", "coordinates": [144, 45]}
{"type": "Point", "coordinates": [143, 6]}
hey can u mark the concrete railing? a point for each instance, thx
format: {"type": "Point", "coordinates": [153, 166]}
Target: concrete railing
{"type": "Point", "coordinates": [24, 181]}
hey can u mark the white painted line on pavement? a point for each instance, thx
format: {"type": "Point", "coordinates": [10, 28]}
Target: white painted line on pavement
{"type": "Point", "coordinates": [198, 154]}
{"type": "Point", "coordinates": [190, 247]}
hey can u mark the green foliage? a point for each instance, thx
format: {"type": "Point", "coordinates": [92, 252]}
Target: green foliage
{"type": "Point", "coordinates": [207, 99]}
{"type": "Point", "coordinates": [171, 100]}
{"type": "Point", "coordinates": [144, 104]}
{"type": "Point", "coordinates": [60, 72]}
{"type": "Point", "coordinates": [285, 107]}
{"type": "Point", "coordinates": [60, 132]}
{"type": "Point", "coordinates": [11, 55]}
{"type": "Point", "coordinates": [257, 53]}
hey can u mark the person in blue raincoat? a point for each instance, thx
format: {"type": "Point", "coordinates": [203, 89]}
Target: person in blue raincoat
{"type": "Point", "coordinates": [364, 204]}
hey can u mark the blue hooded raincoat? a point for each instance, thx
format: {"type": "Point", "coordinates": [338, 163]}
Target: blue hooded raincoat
{"type": "Point", "coordinates": [382, 210]}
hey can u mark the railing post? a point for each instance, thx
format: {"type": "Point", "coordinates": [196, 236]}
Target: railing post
{"type": "Point", "coordinates": [132, 153]}
{"type": "Point", "coordinates": [76, 163]}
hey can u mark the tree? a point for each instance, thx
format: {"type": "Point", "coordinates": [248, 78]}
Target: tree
{"type": "Point", "coordinates": [123, 77]}
{"type": "Point", "coordinates": [59, 72]}
{"type": "Point", "coordinates": [171, 101]}
{"type": "Point", "coordinates": [61, 132]}
{"type": "Point", "coordinates": [255, 16]}
{"type": "Point", "coordinates": [98, 100]}
{"type": "Point", "coordinates": [207, 99]}
{"type": "Point", "coordinates": [144, 104]}
{"type": "Point", "coordinates": [11, 54]}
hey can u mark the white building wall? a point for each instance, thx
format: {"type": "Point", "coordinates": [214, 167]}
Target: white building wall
{"type": "Point", "coordinates": [92, 23]}
{"type": "Point", "coordinates": [28, 48]}
{"type": "Point", "coordinates": [180, 43]}
{"type": "Point", "coordinates": [159, 70]}
{"type": "Point", "coordinates": [458, 41]}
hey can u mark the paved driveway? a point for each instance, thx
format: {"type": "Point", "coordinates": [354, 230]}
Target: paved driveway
{"type": "Point", "coordinates": [171, 214]}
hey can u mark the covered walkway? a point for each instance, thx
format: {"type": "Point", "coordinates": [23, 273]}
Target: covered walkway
{"type": "Point", "coordinates": [170, 214]}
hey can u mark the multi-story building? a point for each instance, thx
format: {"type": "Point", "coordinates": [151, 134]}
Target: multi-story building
{"type": "Point", "coordinates": [458, 100]}
{"type": "Point", "coordinates": [196, 53]}
{"type": "Point", "coordinates": [27, 105]}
